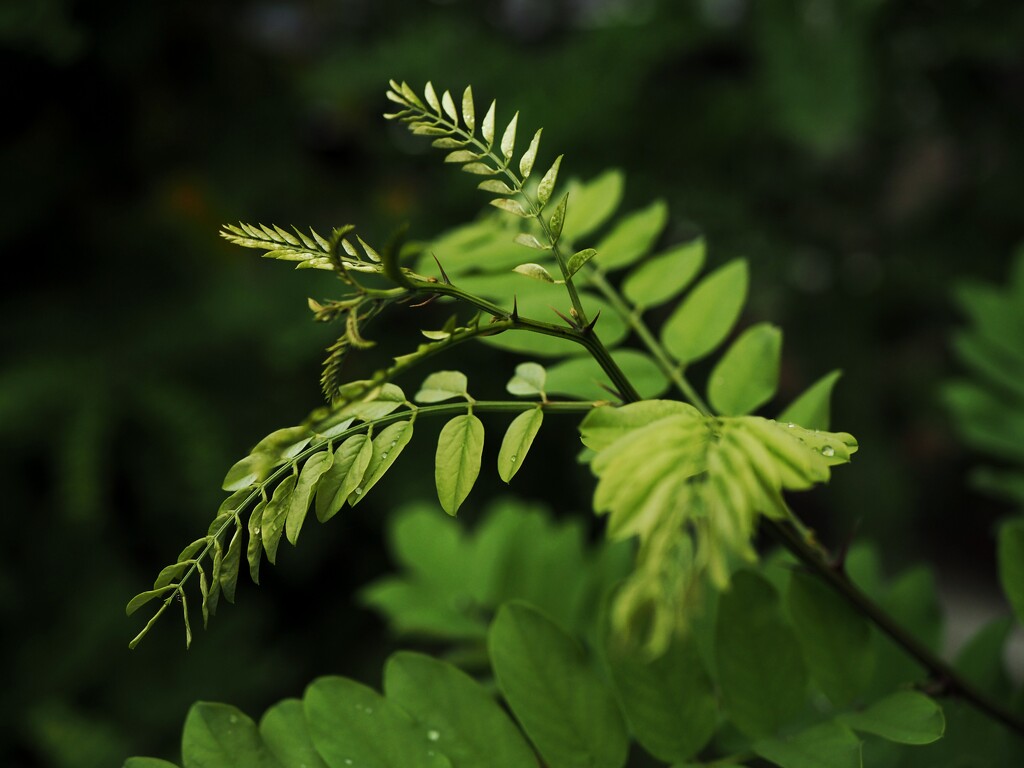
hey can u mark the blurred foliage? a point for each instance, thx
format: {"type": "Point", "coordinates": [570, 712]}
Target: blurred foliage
{"type": "Point", "coordinates": [860, 154]}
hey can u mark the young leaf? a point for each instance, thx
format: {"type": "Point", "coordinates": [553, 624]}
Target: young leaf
{"type": "Point", "coordinates": [498, 187]}
{"type": "Point", "coordinates": [220, 735]}
{"type": "Point", "coordinates": [558, 218]}
{"type": "Point", "coordinates": [528, 158]}
{"type": "Point", "coordinates": [229, 568]}
{"type": "Point", "coordinates": [531, 242]}
{"type": "Point", "coordinates": [314, 468]}
{"type": "Point", "coordinates": [1011, 564]}
{"type": "Point", "coordinates": [285, 733]}
{"type": "Point", "coordinates": [479, 169]}
{"type": "Point", "coordinates": [577, 260]}
{"type": "Point", "coordinates": [528, 381]}
{"type": "Point", "coordinates": [707, 314]}
{"type": "Point", "coordinates": [829, 745]}
{"type": "Point", "coordinates": [517, 441]}
{"type": "Point", "coordinates": [461, 156]}
{"type": "Point", "coordinates": [457, 461]}
{"type": "Point", "coordinates": [386, 448]}
{"type": "Point", "coordinates": [604, 426]}
{"type": "Point", "coordinates": [508, 138]}
{"type": "Point", "coordinates": [564, 707]}
{"type": "Point", "coordinates": [455, 713]}
{"type": "Point", "coordinates": [348, 721]}
{"type": "Point", "coordinates": [763, 683]}
{"type": "Point", "coordinates": [547, 182]}
{"type": "Point", "coordinates": [441, 386]}
{"type": "Point", "coordinates": [449, 107]}
{"type": "Point", "coordinates": [669, 701]}
{"type": "Point", "coordinates": [536, 271]}
{"type": "Point", "coordinates": [510, 206]}
{"type": "Point", "coordinates": [274, 516]}
{"type": "Point", "coordinates": [345, 474]}
{"type": "Point", "coordinates": [431, 96]}
{"type": "Point", "coordinates": [906, 717]}
{"type": "Point", "coordinates": [747, 376]}
{"type": "Point", "coordinates": [835, 639]}
{"type": "Point", "coordinates": [487, 129]}
{"type": "Point", "coordinates": [468, 110]}
{"type": "Point", "coordinates": [811, 409]}
{"type": "Point", "coordinates": [633, 236]}
{"type": "Point", "coordinates": [665, 276]}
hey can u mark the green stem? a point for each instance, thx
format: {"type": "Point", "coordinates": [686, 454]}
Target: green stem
{"type": "Point", "coordinates": [636, 323]}
{"type": "Point", "coordinates": [951, 682]}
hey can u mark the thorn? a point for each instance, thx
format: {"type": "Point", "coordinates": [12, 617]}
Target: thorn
{"type": "Point", "coordinates": [515, 309]}
{"type": "Point", "coordinates": [571, 322]}
{"type": "Point", "coordinates": [614, 393]}
{"type": "Point", "coordinates": [444, 275]}
{"type": "Point", "coordinates": [592, 323]}
{"type": "Point", "coordinates": [426, 301]}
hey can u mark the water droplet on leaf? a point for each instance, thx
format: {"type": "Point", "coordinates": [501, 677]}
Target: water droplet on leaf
{"type": "Point", "coordinates": [828, 450]}
{"type": "Point", "coordinates": [433, 735]}
{"type": "Point", "coordinates": [358, 491]}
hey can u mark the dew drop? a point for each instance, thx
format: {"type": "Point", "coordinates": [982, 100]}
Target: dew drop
{"type": "Point", "coordinates": [348, 761]}
{"type": "Point", "coordinates": [393, 444]}
{"type": "Point", "coordinates": [358, 491]}
{"type": "Point", "coordinates": [828, 450]}
{"type": "Point", "coordinates": [234, 719]}
{"type": "Point", "coordinates": [791, 425]}
{"type": "Point", "coordinates": [384, 455]}
{"type": "Point", "coordinates": [433, 735]}
{"type": "Point", "coordinates": [513, 459]}
{"type": "Point", "coordinates": [256, 531]}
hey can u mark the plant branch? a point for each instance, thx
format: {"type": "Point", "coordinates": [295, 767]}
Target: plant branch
{"type": "Point", "coordinates": [951, 681]}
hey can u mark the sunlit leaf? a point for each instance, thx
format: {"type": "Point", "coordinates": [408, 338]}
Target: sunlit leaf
{"type": "Point", "coordinates": [441, 386]}
{"type": "Point", "coordinates": [517, 441]}
{"type": "Point", "coordinates": [529, 380]}
{"type": "Point", "coordinates": [812, 408]}
{"type": "Point", "coordinates": [457, 461]}
{"type": "Point", "coordinates": [707, 314]}
{"type": "Point", "coordinates": [747, 375]}
{"type": "Point", "coordinates": [528, 158]}
{"type": "Point", "coordinates": [547, 182]}
{"type": "Point", "coordinates": [592, 204]}
{"type": "Point", "coordinates": [665, 276]}
{"type": "Point", "coordinates": [578, 259]}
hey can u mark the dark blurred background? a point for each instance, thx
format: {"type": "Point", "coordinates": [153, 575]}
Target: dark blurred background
{"type": "Point", "coordinates": [864, 155]}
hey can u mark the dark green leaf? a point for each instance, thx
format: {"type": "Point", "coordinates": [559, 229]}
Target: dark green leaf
{"type": "Point", "coordinates": [457, 461]}
{"type": "Point", "coordinates": [386, 447]}
{"type": "Point", "coordinates": [220, 736]}
{"type": "Point", "coordinates": [314, 468]}
{"type": "Point", "coordinates": [229, 568]}
{"type": "Point", "coordinates": [455, 713]}
{"type": "Point", "coordinates": [274, 516]}
{"type": "Point", "coordinates": [811, 409]}
{"type": "Point", "coordinates": [835, 639]}
{"type": "Point", "coordinates": [517, 441]}
{"type": "Point", "coordinates": [829, 745]}
{"type": "Point", "coordinates": [352, 725]}
{"type": "Point", "coordinates": [760, 672]}
{"type": "Point", "coordinates": [669, 701]}
{"type": "Point", "coordinates": [285, 733]}
{"type": "Point", "coordinates": [565, 709]}
{"type": "Point", "coordinates": [707, 314]}
{"type": "Point", "coordinates": [254, 550]}
{"type": "Point", "coordinates": [1011, 564]}
{"type": "Point", "coordinates": [346, 472]}
{"type": "Point", "coordinates": [747, 376]}
{"type": "Point", "coordinates": [665, 276]}
{"type": "Point", "coordinates": [906, 717]}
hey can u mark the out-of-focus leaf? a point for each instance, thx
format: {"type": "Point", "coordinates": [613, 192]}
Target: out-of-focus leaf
{"type": "Point", "coordinates": [707, 314]}
{"type": "Point", "coordinates": [906, 717]}
{"type": "Point", "coordinates": [664, 276]}
{"type": "Point", "coordinates": [747, 376]}
{"type": "Point", "coordinates": [812, 408]}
